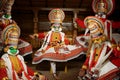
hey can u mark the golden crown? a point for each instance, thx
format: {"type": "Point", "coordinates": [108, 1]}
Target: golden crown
{"type": "Point", "coordinates": [94, 20]}
{"type": "Point", "coordinates": [56, 15]}
{"type": "Point", "coordinates": [10, 34]}
{"type": "Point", "coordinates": [101, 7]}
{"type": "Point", "coordinates": [105, 6]}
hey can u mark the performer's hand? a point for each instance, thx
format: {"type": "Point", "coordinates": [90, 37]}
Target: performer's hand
{"type": "Point", "coordinates": [35, 78]}
{"type": "Point", "coordinates": [82, 72]}
{"type": "Point", "coordinates": [118, 48]}
{"type": "Point", "coordinates": [43, 51]}
{"type": "Point", "coordinates": [5, 78]}
{"type": "Point", "coordinates": [96, 71]}
{"type": "Point", "coordinates": [38, 76]}
{"type": "Point", "coordinates": [34, 36]}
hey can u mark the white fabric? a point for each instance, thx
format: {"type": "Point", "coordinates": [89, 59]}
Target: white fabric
{"type": "Point", "coordinates": [23, 43]}
{"type": "Point", "coordinates": [87, 38]}
{"type": "Point", "coordinates": [53, 67]}
{"type": "Point", "coordinates": [9, 69]}
{"type": "Point", "coordinates": [106, 68]}
{"type": "Point", "coordinates": [103, 57]}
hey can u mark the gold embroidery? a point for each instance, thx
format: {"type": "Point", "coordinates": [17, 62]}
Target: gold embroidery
{"type": "Point", "coordinates": [2, 64]}
{"type": "Point", "coordinates": [15, 63]}
{"type": "Point", "coordinates": [97, 54]}
{"type": "Point", "coordinates": [55, 36]}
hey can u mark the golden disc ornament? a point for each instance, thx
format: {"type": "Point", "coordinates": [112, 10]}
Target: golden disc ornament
{"type": "Point", "coordinates": [105, 6]}
{"type": "Point", "coordinates": [56, 15]}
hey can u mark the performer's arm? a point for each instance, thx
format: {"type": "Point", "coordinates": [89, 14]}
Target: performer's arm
{"type": "Point", "coordinates": [30, 71]}
{"type": "Point", "coordinates": [80, 23]}
{"type": "Point", "coordinates": [116, 50]}
{"type": "Point", "coordinates": [85, 65]}
{"type": "Point", "coordinates": [41, 35]}
{"type": "Point", "coordinates": [83, 70]}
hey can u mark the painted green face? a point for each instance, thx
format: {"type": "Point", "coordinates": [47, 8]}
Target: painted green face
{"type": "Point", "coordinates": [13, 50]}
{"type": "Point", "coordinates": [56, 28]}
{"type": "Point", "coordinates": [7, 16]}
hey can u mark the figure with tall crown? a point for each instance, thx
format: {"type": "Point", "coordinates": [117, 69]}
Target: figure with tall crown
{"type": "Point", "coordinates": [99, 63]}
{"type": "Point", "coordinates": [12, 65]}
{"type": "Point", "coordinates": [25, 48]}
{"type": "Point", "coordinates": [102, 9]}
{"type": "Point", "coordinates": [103, 49]}
{"type": "Point", "coordinates": [54, 48]}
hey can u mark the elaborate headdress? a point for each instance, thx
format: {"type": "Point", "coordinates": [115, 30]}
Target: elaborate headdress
{"type": "Point", "coordinates": [95, 25]}
{"type": "Point", "coordinates": [6, 7]}
{"type": "Point", "coordinates": [10, 35]}
{"type": "Point", "coordinates": [56, 15]}
{"type": "Point", "coordinates": [105, 6]}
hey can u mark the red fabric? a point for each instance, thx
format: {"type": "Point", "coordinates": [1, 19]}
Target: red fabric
{"type": "Point", "coordinates": [80, 23]}
{"type": "Point", "coordinates": [86, 62]}
{"type": "Point", "coordinates": [60, 57]}
{"type": "Point", "coordinates": [67, 42]}
{"type": "Point", "coordinates": [93, 62]}
{"type": "Point", "coordinates": [115, 58]}
{"type": "Point", "coordinates": [30, 71]}
{"type": "Point", "coordinates": [3, 72]}
{"type": "Point", "coordinates": [25, 49]}
{"type": "Point", "coordinates": [41, 35]}
{"type": "Point", "coordinates": [27, 75]}
{"type": "Point", "coordinates": [2, 26]}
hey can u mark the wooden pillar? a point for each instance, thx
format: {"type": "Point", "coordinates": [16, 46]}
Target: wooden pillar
{"type": "Point", "coordinates": [35, 20]}
{"type": "Point", "coordinates": [36, 41]}
{"type": "Point", "coordinates": [75, 25]}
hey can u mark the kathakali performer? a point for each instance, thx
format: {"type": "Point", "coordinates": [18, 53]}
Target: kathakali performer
{"type": "Point", "coordinates": [12, 64]}
{"type": "Point", "coordinates": [102, 9]}
{"type": "Point", "coordinates": [24, 47]}
{"type": "Point", "coordinates": [102, 60]}
{"type": "Point", "coordinates": [103, 52]}
{"type": "Point", "coordinates": [54, 48]}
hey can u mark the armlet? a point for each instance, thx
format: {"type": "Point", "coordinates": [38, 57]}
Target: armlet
{"type": "Point", "coordinates": [2, 64]}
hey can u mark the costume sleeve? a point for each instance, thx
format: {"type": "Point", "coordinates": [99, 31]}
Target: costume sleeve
{"type": "Point", "coordinates": [116, 51]}
{"type": "Point", "coordinates": [30, 71]}
{"type": "Point", "coordinates": [85, 64]}
{"type": "Point", "coordinates": [80, 23]}
{"type": "Point", "coordinates": [41, 35]}
{"type": "Point", "coordinates": [115, 58]}
{"type": "Point", "coordinates": [2, 70]}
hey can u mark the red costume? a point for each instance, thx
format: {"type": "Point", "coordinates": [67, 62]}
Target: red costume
{"type": "Point", "coordinates": [12, 65]}
{"type": "Point", "coordinates": [101, 53]}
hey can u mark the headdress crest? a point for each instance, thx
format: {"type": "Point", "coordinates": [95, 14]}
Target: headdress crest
{"type": "Point", "coordinates": [105, 6]}
{"type": "Point", "coordinates": [56, 15]}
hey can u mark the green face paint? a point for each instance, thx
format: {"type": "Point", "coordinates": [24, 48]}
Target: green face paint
{"type": "Point", "coordinates": [7, 16]}
{"type": "Point", "coordinates": [13, 50]}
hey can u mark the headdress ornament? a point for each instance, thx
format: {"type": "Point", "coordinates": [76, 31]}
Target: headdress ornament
{"type": "Point", "coordinates": [105, 6]}
{"type": "Point", "coordinates": [56, 15]}
{"type": "Point", "coordinates": [10, 34]}
{"type": "Point", "coordinates": [99, 25]}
